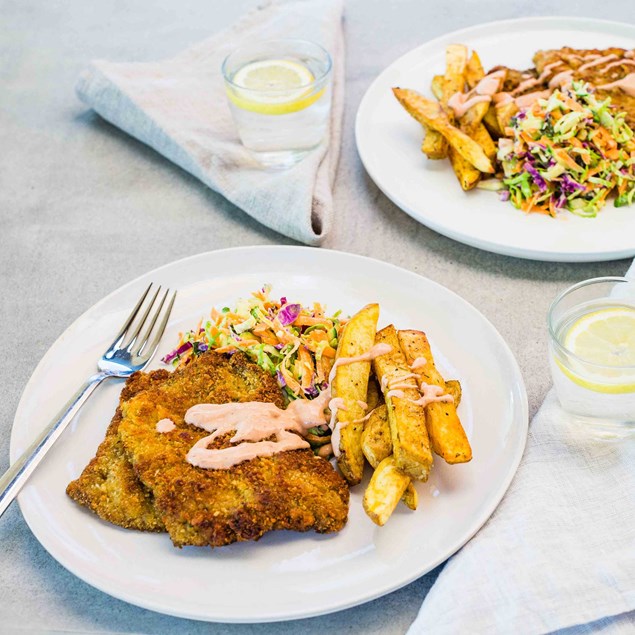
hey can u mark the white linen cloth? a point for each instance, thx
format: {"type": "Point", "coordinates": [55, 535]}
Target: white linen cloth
{"type": "Point", "coordinates": [559, 551]}
{"type": "Point", "coordinates": [178, 107]}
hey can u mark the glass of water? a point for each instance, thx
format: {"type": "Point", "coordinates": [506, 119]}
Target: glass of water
{"type": "Point", "coordinates": [279, 94]}
{"type": "Point", "coordinates": [592, 355]}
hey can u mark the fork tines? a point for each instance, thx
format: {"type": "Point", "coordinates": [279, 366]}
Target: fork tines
{"type": "Point", "coordinates": [141, 332]}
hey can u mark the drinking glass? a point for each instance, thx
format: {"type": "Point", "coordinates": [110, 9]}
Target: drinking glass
{"type": "Point", "coordinates": [591, 354]}
{"type": "Point", "coordinates": [280, 124]}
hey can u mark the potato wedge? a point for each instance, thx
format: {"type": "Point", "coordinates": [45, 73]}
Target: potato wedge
{"type": "Point", "coordinates": [386, 487]}
{"type": "Point", "coordinates": [484, 139]}
{"type": "Point", "coordinates": [351, 385]}
{"type": "Point", "coordinates": [430, 113]}
{"type": "Point", "coordinates": [438, 82]}
{"type": "Point", "coordinates": [491, 122]}
{"type": "Point", "coordinates": [374, 397]}
{"type": "Point", "coordinates": [376, 439]}
{"type": "Point", "coordinates": [434, 145]}
{"type": "Point", "coordinates": [474, 72]}
{"type": "Point", "coordinates": [453, 388]}
{"type": "Point", "coordinates": [471, 124]}
{"type": "Point", "coordinates": [410, 497]}
{"type": "Point", "coordinates": [471, 120]}
{"type": "Point", "coordinates": [431, 146]}
{"type": "Point", "coordinates": [455, 67]}
{"type": "Point", "coordinates": [504, 113]}
{"type": "Point", "coordinates": [467, 175]}
{"type": "Point", "coordinates": [447, 437]}
{"type": "Point", "coordinates": [410, 442]}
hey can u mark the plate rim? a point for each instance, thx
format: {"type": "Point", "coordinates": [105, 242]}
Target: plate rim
{"type": "Point", "coordinates": [521, 411]}
{"type": "Point", "coordinates": [576, 22]}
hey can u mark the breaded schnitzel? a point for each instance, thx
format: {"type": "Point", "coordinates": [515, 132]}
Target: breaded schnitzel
{"type": "Point", "coordinates": [598, 67]}
{"type": "Point", "coordinates": [108, 485]}
{"type": "Point", "coordinates": [290, 490]}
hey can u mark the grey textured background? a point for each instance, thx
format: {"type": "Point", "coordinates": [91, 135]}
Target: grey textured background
{"type": "Point", "coordinates": [84, 209]}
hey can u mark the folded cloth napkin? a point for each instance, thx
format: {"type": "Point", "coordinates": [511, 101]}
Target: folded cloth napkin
{"type": "Point", "coordinates": [178, 107]}
{"type": "Point", "coordinates": [560, 549]}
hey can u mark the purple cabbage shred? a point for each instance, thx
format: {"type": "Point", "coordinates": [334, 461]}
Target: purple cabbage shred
{"type": "Point", "coordinates": [280, 379]}
{"type": "Point", "coordinates": [311, 392]}
{"type": "Point", "coordinates": [569, 186]}
{"type": "Point", "coordinates": [177, 351]}
{"type": "Point", "coordinates": [535, 175]}
{"type": "Point", "coordinates": [288, 313]}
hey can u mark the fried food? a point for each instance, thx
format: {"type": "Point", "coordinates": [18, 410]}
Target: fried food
{"type": "Point", "coordinates": [410, 497]}
{"type": "Point", "coordinates": [474, 71]}
{"type": "Point", "coordinates": [431, 113]}
{"type": "Point", "coordinates": [108, 485]}
{"type": "Point", "coordinates": [386, 487]}
{"type": "Point", "coordinates": [556, 66]}
{"type": "Point", "coordinates": [584, 65]}
{"type": "Point", "coordinates": [350, 385]}
{"type": "Point", "coordinates": [376, 441]}
{"type": "Point", "coordinates": [447, 437]}
{"type": "Point", "coordinates": [374, 397]}
{"type": "Point", "coordinates": [290, 490]}
{"type": "Point", "coordinates": [410, 442]}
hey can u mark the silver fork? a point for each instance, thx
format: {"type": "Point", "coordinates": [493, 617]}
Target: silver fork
{"type": "Point", "coordinates": [128, 353]}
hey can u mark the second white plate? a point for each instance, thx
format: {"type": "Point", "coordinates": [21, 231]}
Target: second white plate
{"type": "Point", "coordinates": [389, 140]}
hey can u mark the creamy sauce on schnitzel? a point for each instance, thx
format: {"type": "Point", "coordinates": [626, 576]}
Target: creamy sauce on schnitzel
{"type": "Point", "coordinates": [598, 61]}
{"type": "Point", "coordinates": [263, 429]}
{"type": "Point", "coordinates": [627, 84]}
{"type": "Point", "coordinates": [165, 425]}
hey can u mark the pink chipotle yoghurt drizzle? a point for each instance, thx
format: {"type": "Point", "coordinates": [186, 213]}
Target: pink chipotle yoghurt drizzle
{"type": "Point", "coordinates": [263, 429]}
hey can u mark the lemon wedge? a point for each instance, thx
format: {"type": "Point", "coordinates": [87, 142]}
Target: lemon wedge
{"type": "Point", "coordinates": [273, 87]}
{"type": "Point", "coordinates": [605, 338]}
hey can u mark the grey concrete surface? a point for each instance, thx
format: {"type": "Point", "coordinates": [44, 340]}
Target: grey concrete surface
{"type": "Point", "coordinates": [71, 184]}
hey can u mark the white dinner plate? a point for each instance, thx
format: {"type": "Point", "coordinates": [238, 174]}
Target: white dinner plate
{"type": "Point", "coordinates": [389, 141]}
{"type": "Point", "coordinates": [285, 575]}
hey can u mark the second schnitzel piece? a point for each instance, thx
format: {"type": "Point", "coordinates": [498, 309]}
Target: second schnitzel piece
{"type": "Point", "coordinates": [108, 485]}
{"type": "Point", "coordinates": [290, 490]}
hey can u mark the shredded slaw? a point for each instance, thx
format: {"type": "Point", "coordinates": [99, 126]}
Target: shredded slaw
{"type": "Point", "coordinates": [568, 152]}
{"type": "Point", "coordinates": [295, 343]}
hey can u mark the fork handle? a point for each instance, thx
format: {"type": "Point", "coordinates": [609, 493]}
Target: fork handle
{"type": "Point", "coordinates": [12, 481]}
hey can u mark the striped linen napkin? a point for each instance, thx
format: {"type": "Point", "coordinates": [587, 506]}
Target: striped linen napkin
{"type": "Point", "coordinates": [178, 107]}
{"type": "Point", "coordinates": [558, 553]}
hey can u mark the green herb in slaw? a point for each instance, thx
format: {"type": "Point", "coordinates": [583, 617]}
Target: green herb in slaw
{"type": "Point", "coordinates": [295, 343]}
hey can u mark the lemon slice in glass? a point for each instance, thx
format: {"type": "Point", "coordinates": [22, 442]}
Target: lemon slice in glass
{"type": "Point", "coordinates": [273, 87]}
{"type": "Point", "coordinates": [605, 338]}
